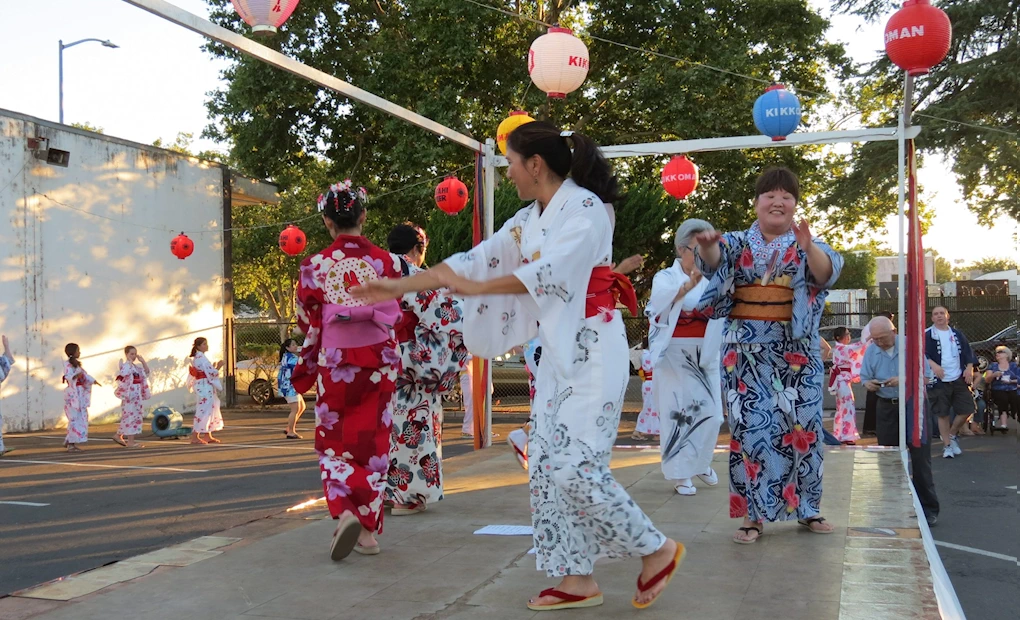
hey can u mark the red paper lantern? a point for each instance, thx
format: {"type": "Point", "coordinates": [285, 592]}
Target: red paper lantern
{"type": "Point", "coordinates": [451, 195]}
{"type": "Point", "coordinates": [293, 240]}
{"type": "Point", "coordinates": [264, 16]}
{"type": "Point", "coordinates": [917, 36]}
{"type": "Point", "coordinates": [680, 177]}
{"type": "Point", "coordinates": [182, 246]}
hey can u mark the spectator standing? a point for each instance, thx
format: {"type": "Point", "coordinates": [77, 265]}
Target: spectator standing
{"type": "Point", "coordinates": [952, 360]}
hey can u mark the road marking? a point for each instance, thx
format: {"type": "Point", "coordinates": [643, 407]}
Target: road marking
{"type": "Point", "coordinates": [997, 556]}
{"type": "Point", "coordinates": [33, 504]}
{"type": "Point", "coordinates": [70, 464]}
{"type": "Point", "coordinates": [185, 443]}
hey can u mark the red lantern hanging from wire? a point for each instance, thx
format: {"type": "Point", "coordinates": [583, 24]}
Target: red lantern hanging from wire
{"type": "Point", "coordinates": [451, 195]}
{"type": "Point", "coordinates": [680, 177]}
{"type": "Point", "coordinates": [293, 240]}
{"type": "Point", "coordinates": [917, 37]}
{"type": "Point", "coordinates": [264, 16]}
{"type": "Point", "coordinates": [182, 246]}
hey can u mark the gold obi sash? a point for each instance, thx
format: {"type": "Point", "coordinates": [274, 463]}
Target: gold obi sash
{"type": "Point", "coordinates": [755, 302]}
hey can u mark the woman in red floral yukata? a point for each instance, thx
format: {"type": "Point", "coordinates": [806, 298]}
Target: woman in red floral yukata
{"type": "Point", "coordinates": [351, 356]}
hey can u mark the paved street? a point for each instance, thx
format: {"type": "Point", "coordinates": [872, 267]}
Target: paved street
{"type": "Point", "coordinates": [979, 510]}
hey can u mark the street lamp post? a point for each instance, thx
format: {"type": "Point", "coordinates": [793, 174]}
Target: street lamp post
{"type": "Point", "coordinates": [106, 43]}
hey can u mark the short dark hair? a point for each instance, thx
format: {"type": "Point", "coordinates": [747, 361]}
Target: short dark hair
{"type": "Point", "coordinates": [839, 332]}
{"type": "Point", "coordinates": [405, 237]}
{"type": "Point", "coordinates": [776, 178]}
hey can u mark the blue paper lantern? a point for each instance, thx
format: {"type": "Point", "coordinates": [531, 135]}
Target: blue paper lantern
{"type": "Point", "coordinates": [777, 112]}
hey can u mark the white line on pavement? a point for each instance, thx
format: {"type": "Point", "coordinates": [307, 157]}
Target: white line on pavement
{"type": "Point", "coordinates": [70, 464]}
{"type": "Point", "coordinates": [32, 504]}
{"type": "Point", "coordinates": [183, 443]}
{"type": "Point", "coordinates": [997, 556]}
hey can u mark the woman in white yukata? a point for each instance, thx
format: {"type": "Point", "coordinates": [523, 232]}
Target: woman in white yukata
{"type": "Point", "coordinates": [6, 361]}
{"type": "Point", "coordinates": [77, 398]}
{"type": "Point", "coordinates": [204, 381]}
{"type": "Point", "coordinates": [547, 272]}
{"type": "Point", "coordinates": [132, 389]}
{"type": "Point", "coordinates": [684, 344]}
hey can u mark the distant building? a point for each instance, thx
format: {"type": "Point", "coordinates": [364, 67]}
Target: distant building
{"type": "Point", "coordinates": [888, 267]}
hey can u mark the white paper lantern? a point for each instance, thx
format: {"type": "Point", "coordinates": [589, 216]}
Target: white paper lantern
{"type": "Point", "coordinates": [264, 16]}
{"type": "Point", "coordinates": [558, 62]}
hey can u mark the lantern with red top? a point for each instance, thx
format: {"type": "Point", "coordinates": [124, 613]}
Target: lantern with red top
{"type": "Point", "coordinates": [264, 16]}
{"type": "Point", "coordinates": [558, 62]}
{"type": "Point", "coordinates": [680, 177]}
{"type": "Point", "coordinates": [451, 195]}
{"type": "Point", "coordinates": [917, 36]}
{"type": "Point", "coordinates": [182, 246]}
{"type": "Point", "coordinates": [293, 240]}
{"type": "Point", "coordinates": [776, 112]}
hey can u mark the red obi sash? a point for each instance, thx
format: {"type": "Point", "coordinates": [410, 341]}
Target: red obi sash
{"type": "Point", "coordinates": [607, 288]}
{"type": "Point", "coordinates": [648, 374]}
{"type": "Point", "coordinates": [135, 378]}
{"type": "Point", "coordinates": [404, 330]}
{"type": "Point", "coordinates": [196, 373]}
{"type": "Point", "coordinates": [835, 372]}
{"type": "Point", "coordinates": [691, 325]}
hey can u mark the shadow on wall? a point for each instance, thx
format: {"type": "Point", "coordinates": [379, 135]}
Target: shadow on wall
{"type": "Point", "coordinates": [87, 254]}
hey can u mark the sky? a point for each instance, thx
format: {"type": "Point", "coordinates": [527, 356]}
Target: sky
{"type": "Point", "coordinates": [154, 86]}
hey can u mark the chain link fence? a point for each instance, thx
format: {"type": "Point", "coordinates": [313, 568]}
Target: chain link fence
{"type": "Point", "coordinates": [987, 321]}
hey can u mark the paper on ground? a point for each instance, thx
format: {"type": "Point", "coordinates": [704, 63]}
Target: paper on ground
{"type": "Point", "coordinates": [506, 530]}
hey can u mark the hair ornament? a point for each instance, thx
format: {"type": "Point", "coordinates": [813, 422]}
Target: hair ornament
{"type": "Point", "coordinates": [566, 134]}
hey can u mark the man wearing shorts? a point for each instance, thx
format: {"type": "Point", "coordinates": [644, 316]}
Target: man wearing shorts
{"type": "Point", "coordinates": [952, 360]}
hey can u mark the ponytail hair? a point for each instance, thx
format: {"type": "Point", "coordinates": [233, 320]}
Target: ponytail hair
{"type": "Point", "coordinates": [72, 351]}
{"type": "Point", "coordinates": [283, 346]}
{"type": "Point", "coordinates": [567, 153]}
{"type": "Point", "coordinates": [194, 346]}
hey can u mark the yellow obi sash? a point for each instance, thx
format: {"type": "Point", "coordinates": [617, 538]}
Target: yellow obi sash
{"type": "Point", "coordinates": [754, 302]}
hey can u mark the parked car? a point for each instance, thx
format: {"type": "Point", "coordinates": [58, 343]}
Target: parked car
{"type": "Point", "coordinates": [257, 379]}
{"type": "Point", "coordinates": [985, 349]}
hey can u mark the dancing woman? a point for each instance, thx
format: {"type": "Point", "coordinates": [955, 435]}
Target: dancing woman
{"type": "Point", "coordinates": [350, 355]}
{"type": "Point", "coordinates": [770, 283]}
{"type": "Point", "coordinates": [685, 352]}
{"type": "Point", "coordinates": [547, 271]}
{"type": "Point", "coordinates": [132, 390]}
{"type": "Point", "coordinates": [204, 381]}
{"type": "Point", "coordinates": [432, 355]}
{"type": "Point", "coordinates": [77, 398]}
{"type": "Point", "coordinates": [288, 361]}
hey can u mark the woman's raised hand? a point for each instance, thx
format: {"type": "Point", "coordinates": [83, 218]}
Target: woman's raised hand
{"type": "Point", "coordinates": [708, 239]}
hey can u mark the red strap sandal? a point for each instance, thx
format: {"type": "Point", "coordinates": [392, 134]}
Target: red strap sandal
{"type": "Point", "coordinates": [666, 573]}
{"type": "Point", "coordinates": [570, 601]}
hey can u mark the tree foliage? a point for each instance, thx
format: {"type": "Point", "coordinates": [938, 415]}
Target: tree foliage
{"type": "Point", "coordinates": [464, 66]}
{"type": "Point", "coordinates": [967, 104]}
{"type": "Point", "coordinates": [991, 264]}
{"type": "Point", "coordinates": [859, 271]}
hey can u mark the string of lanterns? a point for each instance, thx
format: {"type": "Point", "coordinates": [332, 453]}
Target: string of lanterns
{"type": "Point", "coordinates": [917, 37]}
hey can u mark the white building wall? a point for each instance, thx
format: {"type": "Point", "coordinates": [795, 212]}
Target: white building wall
{"type": "Point", "coordinates": [888, 267]}
{"type": "Point", "coordinates": [85, 258]}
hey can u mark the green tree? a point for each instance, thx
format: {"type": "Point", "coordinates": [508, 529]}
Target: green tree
{"type": "Point", "coordinates": [991, 264]}
{"type": "Point", "coordinates": [462, 65]}
{"type": "Point", "coordinates": [975, 87]}
{"type": "Point", "coordinates": [87, 126]}
{"type": "Point", "coordinates": [944, 270]}
{"type": "Point", "coordinates": [859, 270]}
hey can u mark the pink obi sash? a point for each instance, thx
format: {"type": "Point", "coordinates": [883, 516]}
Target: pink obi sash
{"type": "Point", "coordinates": [345, 327]}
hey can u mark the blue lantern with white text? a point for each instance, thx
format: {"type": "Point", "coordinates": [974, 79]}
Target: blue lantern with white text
{"type": "Point", "coordinates": [777, 112]}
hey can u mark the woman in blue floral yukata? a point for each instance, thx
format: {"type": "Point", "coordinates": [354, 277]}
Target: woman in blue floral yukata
{"type": "Point", "coordinates": [770, 283]}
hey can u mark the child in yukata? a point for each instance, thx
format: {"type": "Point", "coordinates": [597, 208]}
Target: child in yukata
{"type": "Point", "coordinates": [6, 361]}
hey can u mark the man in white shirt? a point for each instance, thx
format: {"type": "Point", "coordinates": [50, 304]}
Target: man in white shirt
{"type": "Point", "coordinates": [952, 360]}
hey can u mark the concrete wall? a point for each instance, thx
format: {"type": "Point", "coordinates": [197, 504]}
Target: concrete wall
{"type": "Point", "coordinates": [85, 258]}
{"type": "Point", "coordinates": [887, 268]}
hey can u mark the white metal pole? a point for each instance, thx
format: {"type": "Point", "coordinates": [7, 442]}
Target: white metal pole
{"type": "Point", "coordinates": [488, 221]}
{"type": "Point", "coordinates": [271, 57]}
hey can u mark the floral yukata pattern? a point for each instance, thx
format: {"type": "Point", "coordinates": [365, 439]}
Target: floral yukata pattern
{"type": "Point", "coordinates": [77, 400]}
{"type": "Point", "coordinates": [432, 356]}
{"type": "Point", "coordinates": [132, 390]}
{"type": "Point", "coordinates": [579, 512]}
{"type": "Point", "coordinates": [354, 380]}
{"type": "Point", "coordinates": [772, 378]}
